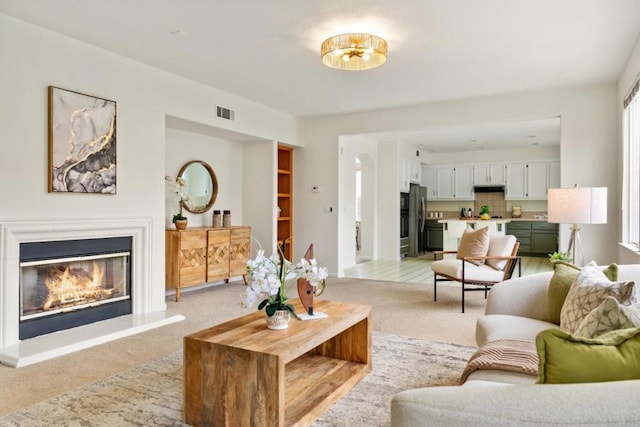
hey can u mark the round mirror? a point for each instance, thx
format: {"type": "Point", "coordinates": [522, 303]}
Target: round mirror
{"type": "Point", "coordinates": [201, 185]}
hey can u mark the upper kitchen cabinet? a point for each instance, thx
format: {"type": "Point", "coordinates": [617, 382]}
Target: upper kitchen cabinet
{"type": "Point", "coordinates": [531, 180]}
{"type": "Point", "coordinates": [489, 174]}
{"type": "Point", "coordinates": [463, 182]}
{"type": "Point", "coordinates": [448, 182]}
{"type": "Point", "coordinates": [410, 172]}
{"type": "Point", "coordinates": [403, 174]}
{"type": "Point", "coordinates": [415, 172]}
{"type": "Point", "coordinates": [515, 188]}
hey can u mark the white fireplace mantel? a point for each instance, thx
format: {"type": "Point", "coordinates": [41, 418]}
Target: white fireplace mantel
{"type": "Point", "coordinates": [145, 314]}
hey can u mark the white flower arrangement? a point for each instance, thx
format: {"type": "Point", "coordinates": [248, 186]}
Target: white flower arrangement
{"type": "Point", "coordinates": [271, 279]}
{"type": "Point", "coordinates": [178, 187]}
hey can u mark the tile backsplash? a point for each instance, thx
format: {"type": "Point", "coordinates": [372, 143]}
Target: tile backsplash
{"type": "Point", "coordinates": [495, 201]}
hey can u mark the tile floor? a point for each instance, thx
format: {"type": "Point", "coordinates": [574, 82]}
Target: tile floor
{"type": "Point", "coordinates": [416, 269]}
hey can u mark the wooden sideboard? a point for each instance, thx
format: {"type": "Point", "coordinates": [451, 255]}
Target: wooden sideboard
{"type": "Point", "coordinates": [203, 254]}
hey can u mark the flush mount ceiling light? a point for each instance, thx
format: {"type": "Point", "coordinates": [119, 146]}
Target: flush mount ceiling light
{"type": "Point", "coordinates": [354, 52]}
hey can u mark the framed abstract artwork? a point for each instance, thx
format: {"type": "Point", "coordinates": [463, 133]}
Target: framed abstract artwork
{"type": "Point", "coordinates": [82, 143]}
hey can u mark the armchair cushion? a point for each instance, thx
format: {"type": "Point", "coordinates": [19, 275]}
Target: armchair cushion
{"type": "Point", "coordinates": [474, 243]}
{"type": "Point", "coordinates": [453, 268]}
{"type": "Point", "coordinates": [500, 246]}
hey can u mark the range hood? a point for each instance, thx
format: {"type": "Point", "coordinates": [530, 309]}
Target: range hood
{"type": "Point", "coordinates": [488, 189]}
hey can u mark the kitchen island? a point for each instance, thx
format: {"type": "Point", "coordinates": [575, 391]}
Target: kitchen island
{"type": "Point", "coordinates": [453, 229]}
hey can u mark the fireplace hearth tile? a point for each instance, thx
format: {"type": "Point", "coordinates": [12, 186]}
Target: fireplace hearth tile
{"type": "Point", "coordinates": [57, 344]}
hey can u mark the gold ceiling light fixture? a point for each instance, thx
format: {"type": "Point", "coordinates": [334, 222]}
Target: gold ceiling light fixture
{"type": "Point", "coordinates": [354, 51]}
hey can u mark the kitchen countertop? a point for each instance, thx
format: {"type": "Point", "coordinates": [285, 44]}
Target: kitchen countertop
{"type": "Point", "coordinates": [492, 219]}
{"type": "Point", "coordinates": [496, 220]}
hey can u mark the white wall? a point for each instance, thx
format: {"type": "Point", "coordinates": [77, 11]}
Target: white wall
{"type": "Point", "coordinates": [588, 131]}
{"type": "Point", "coordinates": [34, 58]}
{"type": "Point", "coordinates": [488, 156]}
{"type": "Point", "coordinates": [258, 190]}
{"type": "Point", "coordinates": [226, 160]}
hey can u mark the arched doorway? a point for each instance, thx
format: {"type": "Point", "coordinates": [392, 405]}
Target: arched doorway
{"type": "Point", "coordinates": [365, 207]}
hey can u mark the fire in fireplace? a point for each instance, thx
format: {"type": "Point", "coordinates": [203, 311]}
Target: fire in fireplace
{"type": "Point", "coordinates": [64, 284]}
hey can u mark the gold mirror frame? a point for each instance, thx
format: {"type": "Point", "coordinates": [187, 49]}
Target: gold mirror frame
{"type": "Point", "coordinates": [214, 185]}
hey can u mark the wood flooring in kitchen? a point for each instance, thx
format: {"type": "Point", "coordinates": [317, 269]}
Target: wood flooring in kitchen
{"type": "Point", "coordinates": [416, 269]}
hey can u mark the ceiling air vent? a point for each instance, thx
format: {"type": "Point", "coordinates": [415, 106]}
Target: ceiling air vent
{"type": "Point", "coordinates": [224, 113]}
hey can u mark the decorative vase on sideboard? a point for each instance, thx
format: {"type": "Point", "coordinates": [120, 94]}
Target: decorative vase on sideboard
{"type": "Point", "coordinates": [181, 224]}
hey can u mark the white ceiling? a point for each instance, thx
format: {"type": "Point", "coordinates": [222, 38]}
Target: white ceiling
{"type": "Point", "coordinates": [268, 50]}
{"type": "Point", "coordinates": [488, 136]}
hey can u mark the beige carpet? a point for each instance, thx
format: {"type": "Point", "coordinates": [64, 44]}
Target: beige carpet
{"type": "Point", "coordinates": [401, 309]}
{"type": "Point", "coordinates": [151, 394]}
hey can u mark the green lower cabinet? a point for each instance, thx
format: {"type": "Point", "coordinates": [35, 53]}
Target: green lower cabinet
{"type": "Point", "coordinates": [435, 236]}
{"type": "Point", "coordinates": [435, 239]}
{"type": "Point", "coordinates": [404, 246]}
{"type": "Point", "coordinates": [544, 242]}
{"type": "Point", "coordinates": [536, 238]}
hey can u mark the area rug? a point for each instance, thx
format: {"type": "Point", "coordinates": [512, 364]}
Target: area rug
{"type": "Point", "coordinates": [151, 394]}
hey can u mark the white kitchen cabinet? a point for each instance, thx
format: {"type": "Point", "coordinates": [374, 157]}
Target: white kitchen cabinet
{"type": "Point", "coordinates": [444, 182]}
{"type": "Point", "coordinates": [448, 182]}
{"type": "Point", "coordinates": [537, 180]}
{"type": "Point", "coordinates": [515, 188]}
{"type": "Point", "coordinates": [429, 181]}
{"type": "Point", "coordinates": [554, 175]}
{"type": "Point", "coordinates": [409, 172]}
{"type": "Point", "coordinates": [463, 182]}
{"type": "Point", "coordinates": [531, 180]}
{"type": "Point", "coordinates": [403, 174]}
{"type": "Point", "coordinates": [489, 174]}
{"type": "Point", "coordinates": [415, 171]}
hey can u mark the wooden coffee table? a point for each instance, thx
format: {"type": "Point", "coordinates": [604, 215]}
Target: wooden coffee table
{"type": "Point", "coordinates": [241, 373]}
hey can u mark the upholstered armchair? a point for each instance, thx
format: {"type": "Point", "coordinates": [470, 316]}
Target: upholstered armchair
{"type": "Point", "coordinates": [481, 261]}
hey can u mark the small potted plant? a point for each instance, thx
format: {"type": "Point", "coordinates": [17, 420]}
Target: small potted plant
{"type": "Point", "coordinates": [560, 256]}
{"type": "Point", "coordinates": [484, 212]}
{"type": "Point", "coordinates": [180, 221]}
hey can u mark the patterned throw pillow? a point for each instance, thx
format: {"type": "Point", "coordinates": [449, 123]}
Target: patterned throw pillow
{"type": "Point", "coordinates": [588, 291]}
{"type": "Point", "coordinates": [608, 316]}
{"type": "Point", "coordinates": [564, 274]}
{"type": "Point", "coordinates": [474, 243]}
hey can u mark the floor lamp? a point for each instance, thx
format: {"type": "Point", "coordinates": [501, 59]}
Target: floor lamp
{"type": "Point", "coordinates": [577, 205]}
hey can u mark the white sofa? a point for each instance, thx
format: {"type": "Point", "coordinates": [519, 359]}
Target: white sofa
{"type": "Point", "coordinates": [517, 309]}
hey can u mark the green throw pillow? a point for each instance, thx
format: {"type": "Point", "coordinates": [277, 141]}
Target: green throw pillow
{"type": "Point", "coordinates": [568, 359]}
{"type": "Point", "coordinates": [564, 274]}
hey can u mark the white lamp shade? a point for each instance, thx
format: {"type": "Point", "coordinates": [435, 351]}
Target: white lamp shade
{"type": "Point", "coordinates": [577, 205]}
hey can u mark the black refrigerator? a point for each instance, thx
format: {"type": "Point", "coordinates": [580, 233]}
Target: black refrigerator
{"type": "Point", "coordinates": [417, 219]}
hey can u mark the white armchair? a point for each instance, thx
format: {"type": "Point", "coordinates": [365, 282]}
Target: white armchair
{"type": "Point", "coordinates": [498, 265]}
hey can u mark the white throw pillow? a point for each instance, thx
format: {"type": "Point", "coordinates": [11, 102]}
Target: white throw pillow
{"type": "Point", "coordinates": [587, 292]}
{"type": "Point", "coordinates": [500, 246]}
{"type": "Point", "coordinates": [609, 316]}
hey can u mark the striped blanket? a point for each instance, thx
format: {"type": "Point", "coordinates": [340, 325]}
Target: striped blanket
{"type": "Point", "coordinates": [505, 355]}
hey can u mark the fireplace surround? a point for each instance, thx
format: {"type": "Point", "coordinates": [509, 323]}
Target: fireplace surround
{"type": "Point", "coordinates": [146, 300]}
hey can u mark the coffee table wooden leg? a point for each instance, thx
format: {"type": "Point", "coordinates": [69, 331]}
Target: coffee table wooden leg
{"type": "Point", "coordinates": [230, 386]}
